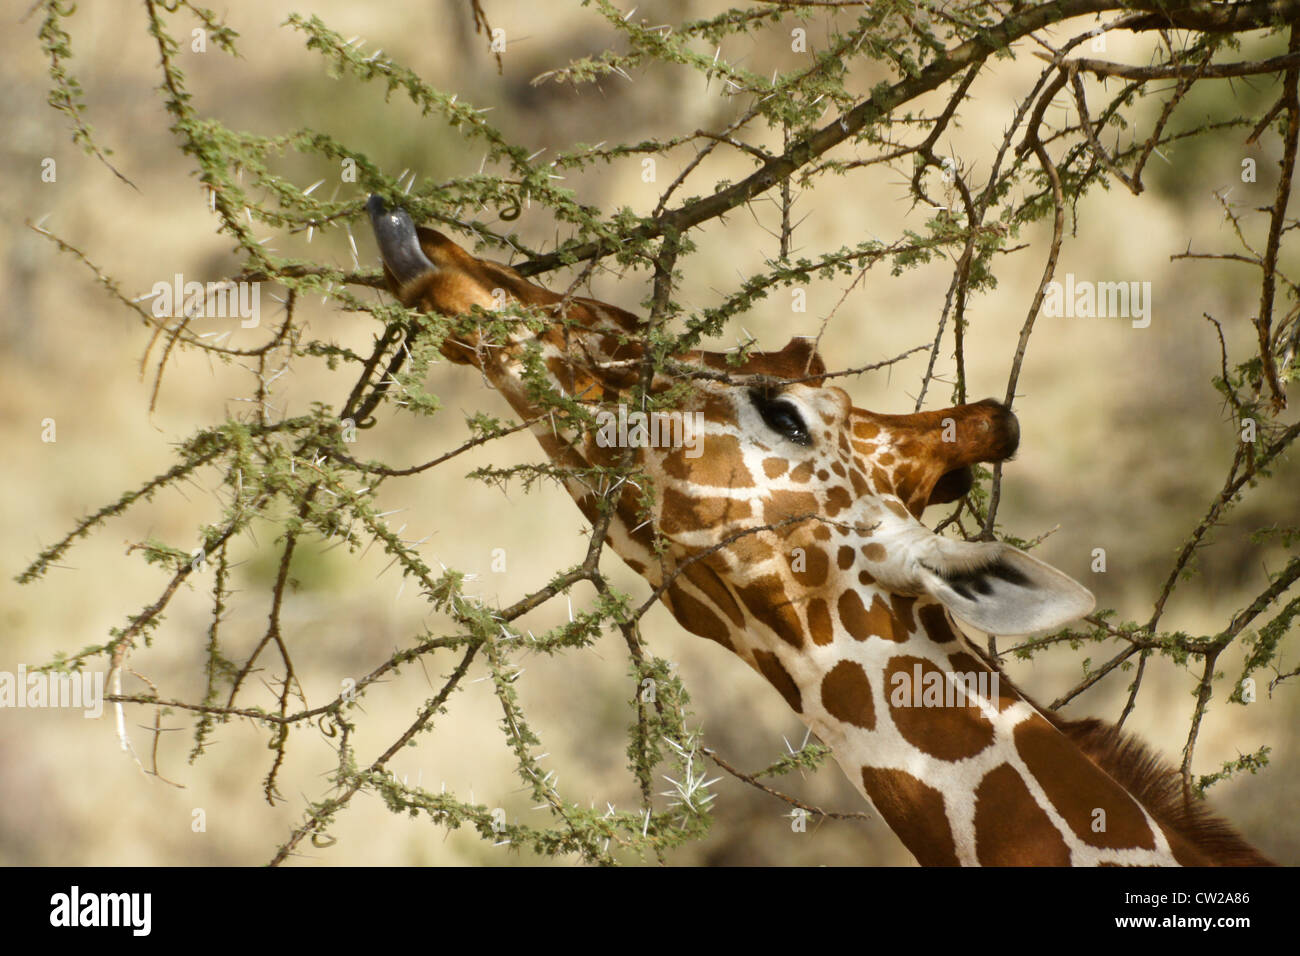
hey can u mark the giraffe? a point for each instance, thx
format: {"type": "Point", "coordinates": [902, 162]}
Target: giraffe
{"type": "Point", "coordinates": [788, 531]}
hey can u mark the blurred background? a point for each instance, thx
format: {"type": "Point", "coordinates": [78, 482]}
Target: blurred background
{"type": "Point", "coordinates": [1125, 441]}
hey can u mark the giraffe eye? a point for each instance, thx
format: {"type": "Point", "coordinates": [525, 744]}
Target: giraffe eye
{"type": "Point", "coordinates": [781, 416]}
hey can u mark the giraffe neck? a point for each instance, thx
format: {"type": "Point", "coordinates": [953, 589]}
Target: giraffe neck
{"type": "Point", "coordinates": [978, 779]}
{"type": "Point", "coordinates": [963, 778]}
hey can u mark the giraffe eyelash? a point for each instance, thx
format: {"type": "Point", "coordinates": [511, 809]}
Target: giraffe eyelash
{"type": "Point", "coordinates": [766, 391]}
{"type": "Point", "coordinates": [780, 415]}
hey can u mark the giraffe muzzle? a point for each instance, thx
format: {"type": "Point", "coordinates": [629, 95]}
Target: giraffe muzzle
{"type": "Point", "coordinates": [989, 431]}
{"type": "Point", "coordinates": [1002, 430]}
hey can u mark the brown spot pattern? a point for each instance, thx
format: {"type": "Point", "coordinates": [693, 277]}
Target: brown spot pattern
{"type": "Point", "coordinates": [862, 623]}
{"type": "Point", "coordinates": [895, 506]}
{"type": "Point", "coordinates": [749, 549]}
{"type": "Point", "coordinates": [903, 611]}
{"type": "Point", "coordinates": [719, 464]}
{"type": "Point", "coordinates": [767, 601]}
{"type": "Point", "coordinates": [874, 551]}
{"type": "Point", "coordinates": [781, 505]}
{"type": "Point", "coordinates": [686, 513]}
{"type": "Point", "coordinates": [935, 622]}
{"type": "Point", "coordinates": [770, 667]}
{"type": "Point", "coordinates": [713, 587]}
{"type": "Point", "coordinates": [846, 695]}
{"type": "Point", "coordinates": [697, 617]}
{"type": "Point", "coordinates": [816, 565]}
{"type": "Point", "coordinates": [947, 733]}
{"type": "Point", "coordinates": [914, 811]}
{"type": "Point", "coordinates": [1010, 828]}
{"type": "Point", "coordinates": [819, 622]}
{"type": "Point", "coordinates": [854, 615]}
{"type": "Point", "coordinates": [837, 499]}
{"type": "Point", "coordinates": [963, 663]}
{"type": "Point", "coordinates": [1077, 786]}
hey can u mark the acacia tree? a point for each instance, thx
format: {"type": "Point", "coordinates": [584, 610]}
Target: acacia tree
{"type": "Point", "coordinates": [807, 129]}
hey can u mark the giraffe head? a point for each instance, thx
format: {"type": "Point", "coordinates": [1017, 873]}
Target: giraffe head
{"type": "Point", "coordinates": [770, 489]}
{"type": "Point", "coordinates": [797, 497]}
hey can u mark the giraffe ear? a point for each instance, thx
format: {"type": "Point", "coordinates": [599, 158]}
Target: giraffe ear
{"type": "Point", "coordinates": [1000, 589]}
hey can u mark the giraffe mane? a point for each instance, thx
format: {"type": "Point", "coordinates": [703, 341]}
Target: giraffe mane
{"type": "Point", "coordinates": [1156, 785]}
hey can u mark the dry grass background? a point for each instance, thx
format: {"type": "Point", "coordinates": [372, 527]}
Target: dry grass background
{"type": "Point", "coordinates": [1123, 443]}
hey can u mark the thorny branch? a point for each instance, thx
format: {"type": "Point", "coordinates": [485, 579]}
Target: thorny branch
{"type": "Point", "coordinates": [302, 461]}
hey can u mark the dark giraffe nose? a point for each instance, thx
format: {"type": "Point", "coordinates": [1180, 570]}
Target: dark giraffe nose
{"type": "Point", "coordinates": [1004, 430]}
